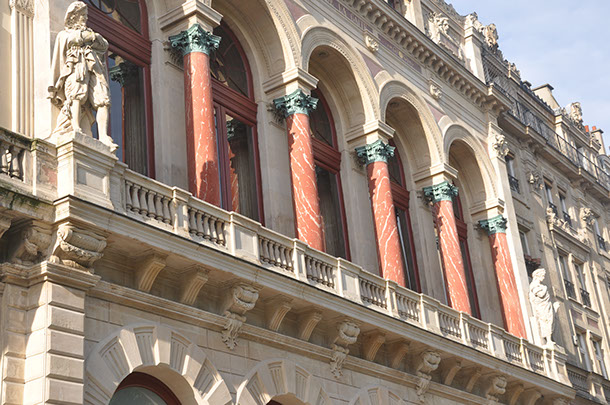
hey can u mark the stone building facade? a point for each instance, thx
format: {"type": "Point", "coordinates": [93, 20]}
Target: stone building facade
{"type": "Point", "coordinates": [310, 202]}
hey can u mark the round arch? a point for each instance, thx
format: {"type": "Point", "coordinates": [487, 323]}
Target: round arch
{"type": "Point", "coordinates": [481, 164]}
{"type": "Point", "coordinates": [275, 378]}
{"type": "Point", "coordinates": [376, 395]}
{"type": "Point", "coordinates": [395, 89]}
{"type": "Point", "coordinates": [159, 351]}
{"type": "Point", "coordinates": [321, 36]}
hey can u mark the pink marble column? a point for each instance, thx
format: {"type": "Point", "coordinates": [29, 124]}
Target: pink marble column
{"type": "Point", "coordinates": [375, 156]}
{"type": "Point", "coordinates": [202, 156]}
{"type": "Point", "coordinates": [505, 277]}
{"type": "Point", "coordinates": [295, 107]}
{"type": "Point", "coordinates": [451, 255]}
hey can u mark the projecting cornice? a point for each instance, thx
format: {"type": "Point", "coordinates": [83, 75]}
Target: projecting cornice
{"type": "Point", "coordinates": [432, 56]}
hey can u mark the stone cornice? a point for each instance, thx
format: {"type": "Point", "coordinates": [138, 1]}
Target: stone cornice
{"type": "Point", "coordinates": [377, 151]}
{"type": "Point", "coordinates": [497, 224]}
{"type": "Point", "coordinates": [296, 102]}
{"type": "Point", "coordinates": [195, 39]}
{"type": "Point", "coordinates": [444, 191]}
{"type": "Point", "coordinates": [431, 55]}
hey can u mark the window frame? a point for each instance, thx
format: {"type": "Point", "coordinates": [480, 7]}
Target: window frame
{"type": "Point", "coordinates": [329, 158]}
{"type": "Point", "coordinates": [147, 381]}
{"type": "Point", "coordinates": [137, 48]}
{"type": "Point", "coordinates": [227, 101]}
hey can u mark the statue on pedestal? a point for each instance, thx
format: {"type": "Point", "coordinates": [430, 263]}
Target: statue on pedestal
{"type": "Point", "coordinates": [544, 309]}
{"type": "Point", "coordinates": [80, 77]}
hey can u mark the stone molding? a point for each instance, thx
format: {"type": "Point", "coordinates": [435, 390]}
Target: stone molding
{"type": "Point", "coordinates": [137, 345]}
{"type": "Point", "coordinates": [497, 224]}
{"type": "Point", "coordinates": [377, 151]}
{"type": "Point", "coordinates": [195, 39]}
{"type": "Point", "coordinates": [296, 102]}
{"type": "Point", "coordinates": [444, 191]}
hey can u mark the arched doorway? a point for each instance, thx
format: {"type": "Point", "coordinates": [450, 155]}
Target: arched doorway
{"type": "Point", "coordinates": [143, 389]}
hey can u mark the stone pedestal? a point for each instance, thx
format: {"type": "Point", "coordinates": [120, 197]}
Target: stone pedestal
{"type": "Point", "coordinates": [441, 195]}
{"type": "Point", "coordinates": [507, 286]}
{"type": "Point", "coordinates": [295, 108]}
{"type": "Point", "coordinates": [202, 152]}
{"type": "Point", "coordinates": [84, 165]}
{"type": "Point", "coordinates": [375, 155]}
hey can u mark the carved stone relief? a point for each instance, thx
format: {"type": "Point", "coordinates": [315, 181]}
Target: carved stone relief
{"type": "Point", "coordinates": [347, 334]}
{"type": "Point", "coordinates": [428, 362]}
{"type": "Point", "coordinates": [77, 247]}
{"type": "Point", "coordinates": [240, 299]}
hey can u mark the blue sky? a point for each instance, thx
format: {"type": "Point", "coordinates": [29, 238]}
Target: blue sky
{"type": "Point", "coordinates": [565, 43]}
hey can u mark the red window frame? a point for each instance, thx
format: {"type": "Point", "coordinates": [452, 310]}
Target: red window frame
{"type": "Point", "coordinates": [400, 198]}
{"type": "Point", "coordinates": [137, 48]}
{"type": "Point", "coordinates": [462, 230]}
{"type": "Point", "coordinates": [230, 102]}
{"type": "Point", "coordinates": [329, 158]}
{"type": "Point", "coordinates": [142, 380]}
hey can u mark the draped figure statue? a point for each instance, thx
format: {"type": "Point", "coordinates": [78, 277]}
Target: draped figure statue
{"type": "Point", "coordinates": [80, 77]}
{"type": "Point", "coordinates": [544, 310]}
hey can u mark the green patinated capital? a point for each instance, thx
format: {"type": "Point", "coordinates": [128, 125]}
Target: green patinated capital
{"type": "Point", "coordinates": [296, 102]}
{"type": "Point", "coordinates": [195, 39]}
{"type": "Point", "coordinates": [444, 191]}
{"type": "Point", "coordinates": [375, 152]}
{"type": "Point", "coordinates": [494, 225]}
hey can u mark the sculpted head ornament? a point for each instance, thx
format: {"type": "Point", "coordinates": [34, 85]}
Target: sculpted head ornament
{"type": "Point", "coordinates": [76, 15]}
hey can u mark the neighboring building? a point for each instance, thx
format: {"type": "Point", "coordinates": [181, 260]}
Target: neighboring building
{"type": "Point", "coordinates": [247, 244]}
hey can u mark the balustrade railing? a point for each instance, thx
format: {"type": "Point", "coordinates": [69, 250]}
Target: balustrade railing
{"type": "Point", "coordinates": [579, 381]}
{"type": "Point", "coordinates": [373, 291]}
{"type": "Point", "coordinates": [14, 149]}
{"type": "Point", "coordinates": [569, 288]}
{"type": "Point", "coordinates": [586, 298]}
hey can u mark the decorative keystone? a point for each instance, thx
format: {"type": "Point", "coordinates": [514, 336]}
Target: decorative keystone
{"type": "Point", "coordinates": [195, 39]}
{"type": "Point", "coordinates": [375, 152]}
{"type": "Point", "coordinates": [444, 191]}
{"type": "Point", "coordinates": [296, 102]}
{"type": "Point", "coordinates": [494, 225]}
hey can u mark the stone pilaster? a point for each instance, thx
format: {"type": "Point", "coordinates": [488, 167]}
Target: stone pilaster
{"type": "Point", "coordinates": [505, 277]}
{"type": "Point", "coordinates": [441, 195]}
{"type": "Point", "coordinates": [295, 109]}
{"type": "Point", "coordinates": [375, 155]}
{"type": "Point", "coordinates": [203, 173]}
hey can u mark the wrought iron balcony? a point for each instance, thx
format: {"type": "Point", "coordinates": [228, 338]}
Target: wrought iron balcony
{"type": "Point", "coordinates": [586, 298]}
{"type": "Point", "coordinates": [601, 243]}
{"type": "Point", "coordinates": [554, 208]}
{"type": "Point", "coordinates": [514, 183]}
{"type": "Point", "coordinates": [569, 288]}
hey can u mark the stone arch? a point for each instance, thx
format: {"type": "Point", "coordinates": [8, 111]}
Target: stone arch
{"type": "Point", "coordinates": [376, 395]}
{"type": "Point", "coordinates": [480, 171]}
{"type": "Point", "coordinates": [316, 37]}
{"type": "Point", "coordinates": [427, 149]}
{"type": "Point", "coordinates": [280, 377]}
{"type": "Point", "coordinates": [157, 350]}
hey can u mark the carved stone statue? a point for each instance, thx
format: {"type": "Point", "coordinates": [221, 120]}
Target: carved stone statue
{"type": "Point", "coordinates": [80, 77]}
{"type": "Point", "coordinates": [544, 309]}
{"type": "Point", "coordinates": [576, 113]}
{"type": "Point", "coordinates": [491, 36]}
{"type": "Point", "coordinates": [437, 24]}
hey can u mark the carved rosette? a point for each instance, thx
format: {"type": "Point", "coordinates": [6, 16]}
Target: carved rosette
{"type": "Point", "coordinates": [77, 247]}
{"type": "Point", "coordinates": [428, 362]}
{"type": "Point", "coordinates": [240, 299]}
{"type": "Point", "coordinates": [347, 334]}
{"type": "Point", "coordinates": [371, 43]}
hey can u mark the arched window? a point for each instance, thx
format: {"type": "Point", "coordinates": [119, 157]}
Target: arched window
{"type": "Point", "coordinates": [124, 23]}
{"type": "Point", "coordinates": [143, 389]}
{"type": "Point", "coordinates": [235, 120]}
{"type": "Point", "coordinates": [400, 196]}
{"type": "Point", "coordinates": [463, 240]}
{"type": "Point", "coordinates": [328, 164]}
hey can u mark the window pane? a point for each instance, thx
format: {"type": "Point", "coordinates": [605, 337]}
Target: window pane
{"type": "Point", "coordinates": [127, 112]}
{"type": "Point", "coordinates": [227, 65]}
{"type": "Point", "coordinates": [127, 12]}
{"type": "Point", "coordinates": [395, 170]}
{"type": "Point", "coordinates": [328, 190]}
{"type": "Point", "coordinates": [241, 171]}
{"type": "Point", "coordinates": [404, 233]}
{"type": "Point", "coordinates": [319, 121]}
{"type": "Point", "coordinates": [136, 396]}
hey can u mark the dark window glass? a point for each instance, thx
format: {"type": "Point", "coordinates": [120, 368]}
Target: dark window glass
{"type": "Point", "coordinates": [330, 208]}
{"type": "Point", "coordinates": [320, 122]}
{"type": "Point", "coordinates": [227, 64]}
{"type": "Point", "coordinates": [472, 293]}
{"type": "Point", "coordinates": [127, 12]}
{"type": "Point", "coordinates": [404, 233]}
{"type": "Point", "coordinates": [395, 169]}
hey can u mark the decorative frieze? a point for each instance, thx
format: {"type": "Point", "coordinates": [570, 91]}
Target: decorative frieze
{"type": "Point", "coordinates": [195, 39]}
{"type": "Point", "coordinates": [377, 151]}
{"type": "Point", "coordinates": [77, 247]}
{"type": "Point", "coordinates": [296, 102]}
{"type": "Point", "coordinates": [240, 299]}
{"type": "Point", "coordinates": [346, 334]}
